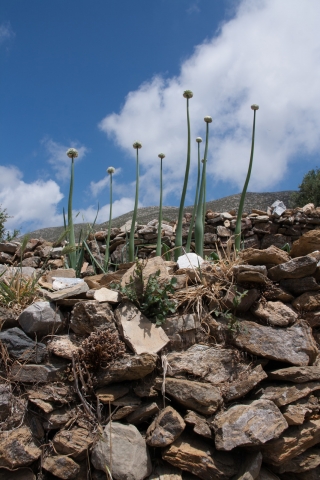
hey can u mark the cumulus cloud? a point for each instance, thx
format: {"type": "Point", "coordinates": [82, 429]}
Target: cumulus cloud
{"type": "Point", "coordinates": [266, 54]}
{"type": "Point", "coordinates": [6, 32]}
{"type": "Point", "coordinates": [58, 159]}
{"type": "Point", "coordinates": [119, 207]}
{"type": "Point", "coordinates": [31, 205]}
{"type": "Point", "coordinates": [97, 187]}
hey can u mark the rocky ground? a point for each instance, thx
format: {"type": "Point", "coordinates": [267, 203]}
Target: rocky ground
{"type": "Point", "coordinates": [227, 388]}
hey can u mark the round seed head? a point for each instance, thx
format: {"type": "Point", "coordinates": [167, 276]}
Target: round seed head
{"type": "Point", "coordinates": [72, 153]}
{"type": "Point", "coordinates": [188, 94]}
{"type": "Point", "coordinates": [161, 155]}
{"type": "Point", "coordinates": [111, 170]}
{"type": "Point", "coordinates": [255, 107]}
{"type": "Point", "coordinates": [137, 145]}
{"type": "Point", "coordinates": [198, 139]}
{"type": "Point", "coordinates": [207, 119]}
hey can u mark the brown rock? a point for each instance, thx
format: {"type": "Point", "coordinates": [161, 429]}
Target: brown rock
{"type": "Point", "coordinates": [302, 463]}
{"type": "Point", "coordinates": [271, 255]}
{"type": "Point", "coordinates": [111, 393]}
{"type": "Point", "coordinates": [17, 448]}
{"type": "Point", "coordinates": [300, 285]}
{"type": "Point", "coordinates": [246, 301]}
{"type": "Point", "coordinates": [201, 459]}
{"type": "Point", "coordinates": [129, 367]}
{"type": "Point", "coordinates": [165, 429]}
{"type": "Point", "coordinates": [50, 397]}
{"type": "Point", "coordinates": [294, 441]}
{"type": "Point", "coordinates": [254, 423]}
{"type": "Point", "coordinates": [181, 331]}
{"type": "Point", "coordinates": [20, 474]}
{"type": "Point", "coordinates": [142, 413]}
{"type": "Point", "coordinates": [276, 240]}
{"type": "Point", "coordinates": [244, 384]}
{"type": "Point", "coordinates": [64, 346]}
{"type": "Point", "coordinates": [275, 313]}
{"type": "Point", "coordinates": [250, 467]}
{"type": "Point", "coordinates": [74, 442]}
{"type": "Point", "coordinates": [251, 277]}
{"type": "Point", "coordinates": [308, 302]}
{"type": "Point", "coordinates": [82, 287]}
{"type": "Point", "coordinates": [61, 466]}
{"type": "Point", "coordinates": [309, 242]}
{"type": "Point", "coordinates": [152, 266]}
{"type": "Point", "coordinates": [294, 344]}
{"type": "Point", "coordinates": [313, 318]}
{"type": "Point", "coordinates": [37, 373]}
{"type": "Point", "coordinates": [283, 394]}
{"type": "Point", "coordinates": [199, 423]}
{"type": "Point", "coordinates": [296, 374]}
{"type": "Point", "coordinates": [58, 418]}
{"type": "Point", "coordinates": [202, 397]}
{"type": "Point", "coordinates": [91, 314]}
{"type": "Point", "coordinates": [123, 412]}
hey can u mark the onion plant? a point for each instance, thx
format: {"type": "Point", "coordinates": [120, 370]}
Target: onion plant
{"type": "Point", "coordinates": [198, 140]}
{"type": "Point", "coordinates": [72, 153]}
{"type": "Point", "coordinates": [178, 243]}
{"type": "Point", "coordinates": [237, 232]}
{"type": "Point", "coordinates": [111, 171]}
{"type": "Point", "coordinates": [199, 227]}
{"type": "Point", "coordinates": [137, 146]}
{"type": "Point", "coordinates": [158, 251]}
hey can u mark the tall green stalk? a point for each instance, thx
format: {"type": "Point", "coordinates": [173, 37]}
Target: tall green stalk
{"type": "Point", "coordinates": [178, 243]}
{"type": "Point", "coordinates": [72, 153]}
{"type": "Point", "coordinates": [199, 228]}
{"type": "Point", "coordinates": [237, 232]}
{"type": "Point", "coordinates": [111, 171]}
{"type": "Point", "coordinates": [158, 251]}
{"type": "Point", "coordinates": [136, 145]}
{"type": "Point", "coordinates": [198, 140]}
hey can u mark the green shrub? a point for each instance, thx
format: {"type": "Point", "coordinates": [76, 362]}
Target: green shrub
{"type": "Point", "coordinates": [309, 190]}
{"type": "Point", "coordinates": [5, 235]}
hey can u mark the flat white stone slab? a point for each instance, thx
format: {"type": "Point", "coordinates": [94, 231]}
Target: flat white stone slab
{"type": "Point", "coordinates": [138, 332]}
{"type": "Point", "coordinates": [106, 295]}
{"type": "Point", "coordinates": [190, 260]}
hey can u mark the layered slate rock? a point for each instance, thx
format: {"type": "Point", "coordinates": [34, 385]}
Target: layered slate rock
{"type": "Point", "coordinates": [250, 468]}
{"type": "Point", "coordinates": [309, 242]}
{"type": "Point", "coordinates": [296, 374]}
{"type": "Point", "coordinates": [294, 344]}
{"type": "Point", "coordinates": [138, 332]}
{"type": "Point", "coordinates": [62, 467]}
{"type": "Point", "coordinates": [74, 442]}
{"type": "Point", "coordinates": [21, 347]}
{"type": "Point", "coordinates": [269, 256]}
{"type": "Point", "coordinates": [202, 397]}
{"type": "Point", "coordinates": [41, 318]}
{"type": "Point", "coordinates": [247, 381]}
{"type": "Point", "coordinates": [294, 441]}
{"type": "Point", "coordinates": [284, 394]}
{"type": "Point", "coordinates": [214, 365]}
{"type": "Point", "coordinates": [18, 448]}
{"type": "Point", "coordinates": [297, 268]}
{"type": "Point", "coordinates": [307, 302]}
{"type": "Point", "coordinates": [302, 463]}
{"type": "Point", "coordinates": [248, 424]}
{"type": "Point", "coordinates": [275, 313]}
{"type": "Point", "coordinates": [129, 454]}
{"type": "Point", "coordinates": [200, 458]}
{"type": "Point", "coordinates": [37, 373]}
{"type": "Point", "coordinates": [165, 429]}
{"type": "Point", "coordinates": [300, 285]}
{"type": "Point", "coordinates": [129, 367]}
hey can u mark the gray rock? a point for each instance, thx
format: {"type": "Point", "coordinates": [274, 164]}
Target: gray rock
{"type": "Point", "coordinates": [129, 454]}
{"type": "Point", "coordinates": [297, 268]}
{"type": "Point", "coordinates": [294, 344]}
{"type": "Point", "coordinates": [142, 413]}
{"type": "Point", "coordinates": [199, 423]}
{"type": "Point", "coordinates": [254, 423]}
{"type": "Point", "coordinates": [21, 347]}
{"type": "Point", "coordinates": [284, 394]}
{"type": "Point", "coordinates": [199, 457]}
{"type": "Point", "coordinates": [275, 313]}
{"type": "Point", "coordinates": [86, 316]}
{"type": "Point", "coordinates": [165, 429]}
{"type": "Point", "coordinates": [181, 330]}
{"type": "Point", "coordinates": [202, 397]}
{"type": "Point", "coordinates": [129, 367]}
{"type": "Point", "coordinates": [37, 373]}
{"type": "Point", "coordinates": [239, 388]}
{"type": "Point", "coordinates": [138, 332]}
{"type": "Point", "coordinates": [250, 468]}
{"type": "Point", "coordinates": [41, 318]}
{"type": "Point", "coordinates": [214, 365]}
{"type": "Point", "coordinates": [5, 401]}
{"type": "Point", "coordinates": [8, 247]}
{"type": "Point", "coordinates": [67, 292]}
{"type": "Point", "coordinates": [300, 285]}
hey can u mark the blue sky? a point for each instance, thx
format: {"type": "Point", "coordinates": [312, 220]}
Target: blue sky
{"type": "Point", "coordinates": [99, 75]}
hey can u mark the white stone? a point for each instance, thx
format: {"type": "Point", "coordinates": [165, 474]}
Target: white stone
{"type": "Point", "coordinates": [106, 295]}
{"type": "Point", "coordinates": [189, 260]}
{"type": "Point", "coordinates": [59, 283]}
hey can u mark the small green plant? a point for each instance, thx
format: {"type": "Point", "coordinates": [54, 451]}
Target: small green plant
{"type": "Point", "coordinates": [151, 296]}
{"type": "Point", "coordinates": [309, 190]}
{"type": "Point", "coordinates": [158, 252]}
{"type": "Point", "coordinates": [111, 171]}
{"type": "Point", "coordinates": [136, 146]}
{"type": "Point", "coordinates": [5, 235]}
{"type": "Point", "coordinates": [196, 199]}
{"type": "Point", "coordinates": [72, 153]}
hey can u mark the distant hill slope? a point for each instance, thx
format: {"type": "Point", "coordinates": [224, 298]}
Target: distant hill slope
{"type": "Point", "coordinates": [253, 200]}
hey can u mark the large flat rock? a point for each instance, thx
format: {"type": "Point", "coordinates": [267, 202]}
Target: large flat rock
{"type": "Point", "coordinates": [129, 367]}
{"type": "Point", "coordinates": [249, 424]}
{"type": "Point", "coordinates": [294, 344]}
{"type": "Point", "coordinates": [138, 332]}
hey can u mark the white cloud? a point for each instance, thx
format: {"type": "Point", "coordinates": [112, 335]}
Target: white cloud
{"type": "Point", "coordinates": [268, 53]}
{"type": "Point", "coordinates": [60, 162]}
{"type": "Point", "coordinates": [31, 205]}
{"type": "Point", "coordinates": [6, 32]}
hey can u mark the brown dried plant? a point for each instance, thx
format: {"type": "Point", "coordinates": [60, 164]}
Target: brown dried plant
{"type": "Point", "coordinates": [101, 348]}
